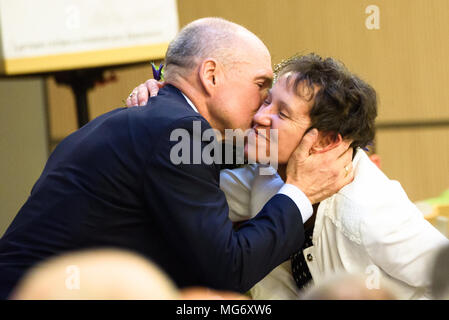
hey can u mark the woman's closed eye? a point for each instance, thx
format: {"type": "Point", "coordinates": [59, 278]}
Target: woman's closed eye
{"type": "Point", "coordinates": [283, 115]}
{"type": "Point", "coordinates": [283, 110]}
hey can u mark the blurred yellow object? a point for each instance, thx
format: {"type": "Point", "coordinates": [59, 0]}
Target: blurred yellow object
{"type": "Point", "coordinates": [427, 210]}
{"type": "Point", "coordinates": [442, 210]}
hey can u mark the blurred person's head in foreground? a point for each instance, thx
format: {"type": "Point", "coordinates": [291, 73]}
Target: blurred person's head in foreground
{"type": "Point", "coordinates": [100, 274]}
{"type": "Point", "coordinates": [440, 275]}
{"type": "Point", "coordinates": [347, 286]}
{"type": "Point", "coordinates": [202, 293]}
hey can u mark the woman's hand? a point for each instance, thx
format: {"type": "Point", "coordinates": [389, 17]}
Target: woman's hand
{"type": "Point", "coordinates": [139, 96]}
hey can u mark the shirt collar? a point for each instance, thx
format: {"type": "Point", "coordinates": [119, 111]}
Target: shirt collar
{"type": "Point", "coordinates": [190, 102]}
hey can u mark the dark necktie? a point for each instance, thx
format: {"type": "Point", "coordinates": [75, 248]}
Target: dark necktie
{"type": "Point", "coordinates": [300, 271]}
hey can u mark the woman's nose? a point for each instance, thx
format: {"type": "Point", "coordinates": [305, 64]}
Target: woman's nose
{"type": "Point", "coordinates": [263, 117]}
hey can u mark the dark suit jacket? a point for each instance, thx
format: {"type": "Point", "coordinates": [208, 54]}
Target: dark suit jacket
{"type": "Point", "coordinates": [112, 184]}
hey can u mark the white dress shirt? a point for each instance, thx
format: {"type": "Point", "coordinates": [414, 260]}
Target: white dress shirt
{"type": "Point", "coordinates": [370, 227]}
{"type": "Point", "coordinates": [291, 191]}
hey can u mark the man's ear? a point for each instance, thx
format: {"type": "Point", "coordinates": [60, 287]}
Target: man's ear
{"type": "Point", "coordinates": [208, 75]}
{"type": "Point", "coordinates": [326, 141]}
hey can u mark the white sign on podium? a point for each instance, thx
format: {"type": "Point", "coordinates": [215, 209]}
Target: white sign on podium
{"type": "Point", "coordinates": [53, 35]}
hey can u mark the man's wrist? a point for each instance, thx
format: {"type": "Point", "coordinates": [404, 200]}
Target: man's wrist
{"type": "Point", "coordinates": [299, 198]}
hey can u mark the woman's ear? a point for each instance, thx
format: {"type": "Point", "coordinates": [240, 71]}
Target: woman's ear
{"type": "Point", "coordinates": [326, 141]}
{"type": "Point", "coordinates": [208, 75]}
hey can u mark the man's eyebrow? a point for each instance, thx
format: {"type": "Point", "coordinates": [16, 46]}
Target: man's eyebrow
{"type": "Point", "coordinates": [265, 78]}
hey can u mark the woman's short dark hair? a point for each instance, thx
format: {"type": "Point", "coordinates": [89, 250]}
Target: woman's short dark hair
{"type": "Point", "coordinates": [344, 104]}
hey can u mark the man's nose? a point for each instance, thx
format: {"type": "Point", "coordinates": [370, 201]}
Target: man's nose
{"type": "Point", "coordinates": [263, 117]}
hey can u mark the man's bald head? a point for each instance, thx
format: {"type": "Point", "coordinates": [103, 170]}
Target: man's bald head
{"type": "Point", "coordinates": [223, 68]}
{"type": "Point", "coordinates": [214, 38]}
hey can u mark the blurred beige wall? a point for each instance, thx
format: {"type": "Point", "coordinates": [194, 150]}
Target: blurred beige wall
{"type": "Point", "coordinates": [23, 142]}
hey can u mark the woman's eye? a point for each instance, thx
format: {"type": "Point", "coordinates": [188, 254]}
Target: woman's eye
{"type": "Point", "coordinates": [283, 115]}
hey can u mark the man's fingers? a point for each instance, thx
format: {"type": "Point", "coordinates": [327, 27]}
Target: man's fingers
{"type": "Point", "coordinates": [344, 148]}
{"type": "Point", "coordinates": [303, 150]}
{"type": "Point", "coordinates": [346, 156]}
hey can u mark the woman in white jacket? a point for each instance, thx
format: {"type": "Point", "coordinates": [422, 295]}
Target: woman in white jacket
{"type": "Point", "coordinates": [370, 226]}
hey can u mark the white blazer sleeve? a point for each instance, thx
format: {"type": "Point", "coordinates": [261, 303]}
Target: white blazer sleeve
{"type": "Point", "coordinates": [400, 241]}
{"type": "Point", "coordinates": [236, 185]}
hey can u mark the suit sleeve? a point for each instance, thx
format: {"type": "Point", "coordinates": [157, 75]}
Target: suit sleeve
{"type": "Point", "coordinates": [191, 207]}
